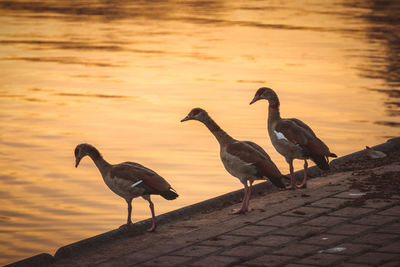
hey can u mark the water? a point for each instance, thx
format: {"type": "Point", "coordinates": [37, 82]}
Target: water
{"type": "Point", "coordinates": [121, 74]}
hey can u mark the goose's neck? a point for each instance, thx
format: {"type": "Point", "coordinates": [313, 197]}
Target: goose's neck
{"type": "Point", "coordinates": [273, 111]}
{"type": "Point", "coordinates": [100, 162]}
{"type": "Point", "coordinates": [217, 131]}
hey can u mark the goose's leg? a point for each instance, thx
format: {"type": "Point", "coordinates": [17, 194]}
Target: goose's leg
{"type": "Point", "coordinates": [248, 196]}
{"type": "Point", "coordinates": [153, 216]}
{"type": "Point", "coordinates": [304, 183]}
{"type": "Point", "coordinates": [129, 221]}
{"type": "Point", "coordinates": [243, 209]}
{"type": "Point", "coordinates": [292, 185]}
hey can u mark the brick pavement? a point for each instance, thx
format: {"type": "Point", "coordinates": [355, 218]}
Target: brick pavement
{"type": "Point", "coordinates": [317, 226]}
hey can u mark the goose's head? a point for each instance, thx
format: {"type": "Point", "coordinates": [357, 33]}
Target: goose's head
{"type": "Point", "coordinates": [196, 114]}
{"type": "Point", "coordinates": [81, 151]}
{"type": "Point", "coordinates": [264, 93]}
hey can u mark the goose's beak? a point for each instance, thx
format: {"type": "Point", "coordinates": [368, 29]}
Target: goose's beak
{"type": "Point", "coordinates": [185, 119]}
{"type": "Point", "coordinates": [77, 162]}
{"type": "Point", "coordinates": [255, 99]}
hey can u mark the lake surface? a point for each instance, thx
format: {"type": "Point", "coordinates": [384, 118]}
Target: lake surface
{"type": "Point", "coordinates": [120, 75]}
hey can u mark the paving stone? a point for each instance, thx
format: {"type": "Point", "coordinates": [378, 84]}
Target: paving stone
{"type": "Point", "coordinates": [350, 212]}
{"type": "Point", "coordinates": [394, 263]}
{"type": "Point", "coordinates": [324, 192]}
{"type": "Point", "coordinates": [253, 230]}
{"type": "Point", "coordinates": [245, 251]}
{"type": "Point", "coordinates": [377, 203]}
{"type": "Point", "coordinates": [374, 258]}
{"type": "Point", "coordinates": [136, 257]}
{"type": "Point", "coordinates": [351, 194]}
{"type": "Point", "coordinates": [324, 239]}
{"type": "Point", "coordinates": [296, 265]}
{"type": "Point", "coordinates": [306, 211]}
{"type": "Point", "coordinates": [196, 251]}
{"type": "Point", "coordinates": [273, 240]}
{"type": "Point", "coordinates": [195, 235]}
{"type": "Point", "coordinates": [325, 221]}
{"type": "Point", "coordinates": [297, 249]}
{"type": "Point", "coordinates": [393, 247]}
{"type": "Point", "coordinates": [393, 228]}
{"type": "Point", "coordinates": [353, 265]}
{"type": "Point", "coordinates": [393, 211]}
{"type": "Point", "coordinates": [375, 238]}
{"type": "Point", "coordinates": [166, 261]}
{"type": "Point", "coordinates": [224, 240]}
{"type": "Point", "coordinates": [269, 260]}
{"type": "Point", "coordinates": [349, 229]}
{"type": "Point", "coordinates": [328, 202]}
{"type": "Point", "coordinates": [236, 221]}
{"type": "Point", "coordinates": [301, 230]}
{"type": "Point", "coordinates": [215, 261]}
{"type": "Point", "coordinates": [112, 263]}
{"type": "Point", "coordinates": [287, 204]}
{"type": "Point", "coordinates": [347, 249]}
{"type": "Point", "coordinates": [322, 259]}
{"type": "Point", "coordinates": [280, 221]}
{"type": "Point", "coordinates": [375, 219]}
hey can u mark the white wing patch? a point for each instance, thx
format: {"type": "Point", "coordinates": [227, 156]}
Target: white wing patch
{"type": "Point", "coordinates": [280, 135]}
{"type": "Point", "coordinates": [137, 183]}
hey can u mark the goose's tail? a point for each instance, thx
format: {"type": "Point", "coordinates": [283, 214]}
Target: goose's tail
{"type": "Point", "coordinates": [277, 181]}
{"type": "Point", "coordinates": [321, 162]}
{"type": "Point", "coordinates": [170, 194]}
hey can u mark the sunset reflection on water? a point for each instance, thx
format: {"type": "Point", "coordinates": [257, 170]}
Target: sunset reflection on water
{"type": "Point", "coordinates": [121, 75]}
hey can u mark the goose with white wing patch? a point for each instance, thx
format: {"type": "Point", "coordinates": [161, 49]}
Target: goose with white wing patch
{"type": "Point", "coordinates": [292, 138]}
{"type": "Point", "coordinates": [242, 159]}
{"type": "Point", "coordinates": [128, 180]}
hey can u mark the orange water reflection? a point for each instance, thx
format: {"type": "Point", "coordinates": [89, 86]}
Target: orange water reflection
{"type": "Point", "coordinates": [121, 76]}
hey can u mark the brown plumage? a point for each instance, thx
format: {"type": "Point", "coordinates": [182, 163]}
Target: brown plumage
{"type": "Point", "coordinates": [128, 180]}
{"type": "Point", "coordinates": [292, 138]}
{"type": "Point", "coordinates": [242, 159]}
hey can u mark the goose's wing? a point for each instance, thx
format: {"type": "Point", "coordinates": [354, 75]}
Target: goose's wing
{"type": "Point", "coordinates": [303, 125]}
{"type": "Point", "coordinates": [135, 172]}
{"type": "Point", "coordinates": [298, 133]}
{"type": "Point", "coordinates": [251, 154]}
{"type": "Point", "coordinates": [258, 148]}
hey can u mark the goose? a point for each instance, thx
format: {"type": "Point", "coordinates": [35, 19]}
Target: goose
{"type": "Point", "coordinates": [292, 138]}
{"type": "Point", "coordinates": [244, 160]}
{"type": "Point", "coordinates": [128, 180]}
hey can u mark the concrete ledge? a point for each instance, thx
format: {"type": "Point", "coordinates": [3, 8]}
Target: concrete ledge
{"type": "Point", "coordinates": [204, 206]}
{"type": "Point", "coordinates": [43, 259]}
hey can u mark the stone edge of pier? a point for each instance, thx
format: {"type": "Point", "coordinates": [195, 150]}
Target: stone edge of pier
{"type": "Point", "coordinates": [45, 259]}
